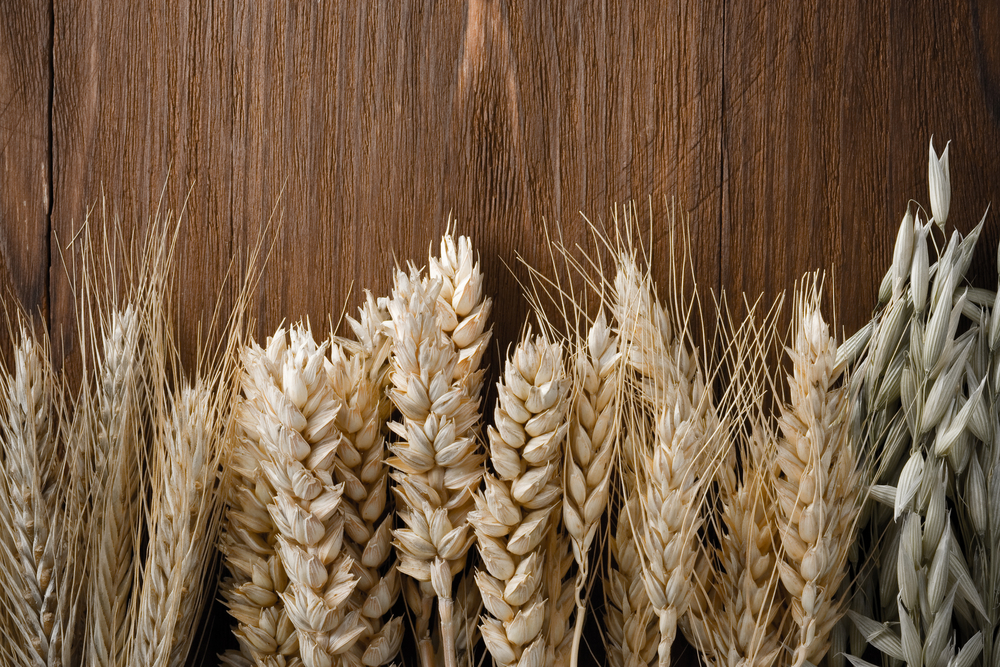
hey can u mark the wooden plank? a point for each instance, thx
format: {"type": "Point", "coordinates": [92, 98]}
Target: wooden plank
{"type": "Point", "coordinates": [380, 121]}
{"type": "Point", "coordinates": [142, 111]}
{"type": "Point", "coordinates": [805, 156]}
{"type": "Point", "coordinates": [25, 170]}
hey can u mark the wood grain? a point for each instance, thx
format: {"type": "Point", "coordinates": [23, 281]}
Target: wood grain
{"type": "Point", "coordinates": [142, 127]}
{"type": "Point", "coordinates": [805, 150]}
{"type": "Point", "coordinates": [25, 177]}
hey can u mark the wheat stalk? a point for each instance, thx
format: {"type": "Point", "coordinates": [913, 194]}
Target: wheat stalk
{"type": "Point", "coordinates": [358, 382]}
{"type": "Point", "coordinates": [518, 507]}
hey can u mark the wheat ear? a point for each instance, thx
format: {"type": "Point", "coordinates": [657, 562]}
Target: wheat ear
{"type": "Point", "coordinates": [255, 590]}
{"type": "Point", "coordinates": [119, 436]}
{"type": "Point", "coordinates": [589, 453]}
{"type": "Point", "coordinates": [819, 486]}
{"type": "Point", "coordinates": [436, 458]}
{"type": "Point", "coordinates": [38, 540]}
{"type": "Point", "coordinates": [184, 516]}
{"type": "Point", "coordinates": [630, 619]}
{"type": "Point", "coordinates": [519, 505]}
{"type": "Point", "coordinates": [357, 379]}
{"type": "Point", "coordinates": [673, 476]}
{"type": "Point", "coordinates": [307, 509]}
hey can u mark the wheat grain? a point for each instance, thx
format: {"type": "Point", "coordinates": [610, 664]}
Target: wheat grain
{"type": "Point", "coordinates": [518, 507]}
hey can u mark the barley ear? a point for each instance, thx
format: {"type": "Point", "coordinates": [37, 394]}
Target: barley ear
{"type": "Point", "coordinates": [119, 434]}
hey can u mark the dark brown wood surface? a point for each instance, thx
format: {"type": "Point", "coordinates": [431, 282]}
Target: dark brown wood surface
{"type": "Point", "coordinates": [790, 134]}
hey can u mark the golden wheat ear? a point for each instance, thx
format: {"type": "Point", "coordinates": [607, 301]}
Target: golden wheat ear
{"type": "Point", "coordinates": [437, 460]}
{"type": "Point", "coordinates": [357, 373]}
{"type": "Point", "coordinates": [518, 508]}
{"type": "Point", "coordinates": [819, 486]}
{"type": "Point", "coordinates": [41, 513]}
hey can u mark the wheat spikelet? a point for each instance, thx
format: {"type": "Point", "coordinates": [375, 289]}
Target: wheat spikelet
{"type": "Point", "coordinates": [38, 515]}
{"type": "Point", "coordinates": [119, 436]}
{"type": "Point", "coordinates": [589, 452]}
{"type": "Point", "coordinates": [818, 491]}
{"type": "Point", "coordinates": [463, 311]}
{"type": "Point", "coordinates": [630, 619]}
{"type": "Point", "coordinates": [437, 460]}
{"type": "Point", "coordinates": [519, 505]}
{"type": "Point", "coordinates": [358, 384]}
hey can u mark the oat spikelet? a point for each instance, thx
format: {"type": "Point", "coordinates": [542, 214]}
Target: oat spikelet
{"type": "Point", "coordinates": [358, 381]}
{"type": "Point", "coordinates": [519, 505]}
{"type": "Point", "coordinates": [36, 524]}
{"type": "Point", "coordinates": [629, 617]}
{"type": "Point", "coordinates": [119, 435]}
{"type": "Point", "coordinates": [589, 453]}
{"type": "Point", "coordinates": [436, 458]}
{"type": "Point", "coordinates": [818, 489]}
{"type": "Point", "coordinates": [183, 519]}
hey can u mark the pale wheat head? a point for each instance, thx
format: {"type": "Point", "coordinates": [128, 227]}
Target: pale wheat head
{"type": "Point", "coordinates": [519, 505]}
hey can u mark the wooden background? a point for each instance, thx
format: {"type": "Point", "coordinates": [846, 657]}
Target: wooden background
{"type": "Point", "coordinates": [792, 133]}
